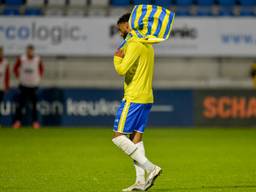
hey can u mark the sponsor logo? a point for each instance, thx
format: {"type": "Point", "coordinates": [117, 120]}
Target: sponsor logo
{"type": "Point", "coordinates": [185, 32]}
{"type": "Point", "coordinates": [55, 34]}
{"type": "Point", "coordinates": [91, 108]}
{"type": "Point", "coordinates": [246, 39]}
{"type": "Point", "coordinates": [73, 107]}
{"type": "Point", "coordinates": [229, 107]}
{"type": "Point", "coordinates": [45, 108]}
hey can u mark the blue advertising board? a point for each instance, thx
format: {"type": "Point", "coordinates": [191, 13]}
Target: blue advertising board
{"type": "Point", "coordinates": [97, 107]}
{"type": "Point", "coordinates": [172, 108]}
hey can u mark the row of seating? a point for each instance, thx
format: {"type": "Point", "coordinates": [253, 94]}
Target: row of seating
{"type": "Point", "coordinates": [165, 3]}
{"type": "Point", "coordinates": [117, 11]}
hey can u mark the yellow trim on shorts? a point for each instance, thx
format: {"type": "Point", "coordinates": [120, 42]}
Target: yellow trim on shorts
{"type": "Point", "coordinates": [123, 117]}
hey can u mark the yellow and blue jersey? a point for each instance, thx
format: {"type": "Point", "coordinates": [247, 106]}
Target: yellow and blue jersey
{"type": "Point", "coordinates": [149, 24]}
{"type": "Point", "coordinates": [137, 67]}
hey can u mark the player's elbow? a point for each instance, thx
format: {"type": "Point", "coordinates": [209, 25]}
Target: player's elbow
{"type": "Point", "coordinates": [120, 71]}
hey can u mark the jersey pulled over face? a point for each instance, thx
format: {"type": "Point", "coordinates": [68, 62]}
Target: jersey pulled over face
{"type": "Point", "coordinates": [137, 67]}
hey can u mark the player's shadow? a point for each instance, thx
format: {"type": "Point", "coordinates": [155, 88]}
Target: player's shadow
{"type": "Point", "coordinates": [206, 187]}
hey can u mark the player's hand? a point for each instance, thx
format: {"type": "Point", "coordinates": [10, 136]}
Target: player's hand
{"type": "Point", "coordinates": [119, 53]}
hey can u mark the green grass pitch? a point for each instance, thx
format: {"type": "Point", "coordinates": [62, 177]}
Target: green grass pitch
{"type": "Point", "coordinates": [85, 160]}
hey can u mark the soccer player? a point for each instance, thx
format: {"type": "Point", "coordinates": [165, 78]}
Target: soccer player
{"type": "Point", "coordinates": [28, 70]}
{"type": "Point", "coordinates": [135, 61]}
{"type": "Point", "coordinates": [4, 75]}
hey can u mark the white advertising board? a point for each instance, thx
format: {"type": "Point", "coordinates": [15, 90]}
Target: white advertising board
{"type": "Point", "coordinates": [214, 37]}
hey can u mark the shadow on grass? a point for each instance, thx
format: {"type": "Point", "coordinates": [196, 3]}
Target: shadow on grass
{"type": "Point", "coordinates": [207, 187]}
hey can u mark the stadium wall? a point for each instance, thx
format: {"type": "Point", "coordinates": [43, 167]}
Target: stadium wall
{"type": "Point", "coordinates": [204, 52]}
{"type": "Point", "coordinates": [201, 75]}
{"type": "Point", "coordinates": [173, 107]}
{"type": "Point", "coordinates": [170, 72]}
{"type": "Point", "coordinates": [193, 37]}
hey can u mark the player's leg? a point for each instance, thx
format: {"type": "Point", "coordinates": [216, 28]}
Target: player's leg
{"type": "Point", "coordinates": [21, 103]}
{"type": "Point", "coordinates": [126, 122]}
{"type": "Point", "coordinates": [151, 177]}
{"type": "Point", "coordinates": [1, 96]}
{"type": "Point", "coordinates": [33, 93]}
{"type": "Point", "coordinates": [131, 149]}
{"type": "Point", "coordinates": [133, 118]}
{"type": "Point", "coordinates": [140, 172]}
{"type": "Point", "coordinates": [137, 139]}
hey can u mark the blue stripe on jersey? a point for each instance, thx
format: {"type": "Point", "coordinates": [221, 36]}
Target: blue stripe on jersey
{"type": "Point", "coordinates": [151, 20]}
{"type": "Point", "coordinates": [143, 13]}
{"type": "Point", "coordinates": [160, 22]}
{"type": "Point", "coordinates": [171, 17]}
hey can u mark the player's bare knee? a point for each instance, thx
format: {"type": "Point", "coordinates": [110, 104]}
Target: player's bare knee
{"type": "Point", "coordinates": [137, 137]}
{"type": "Point", "coordinates": [117, 134]}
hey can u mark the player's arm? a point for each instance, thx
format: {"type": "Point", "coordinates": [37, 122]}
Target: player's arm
{"type": "Point", "coordinates": [16, 68]}
{"type": "Point", "coordinates": [7, 78]}
{"type": "Point", "coordinates": [123, 62]}
{"type": "Point", "coordinates": [41, 68]}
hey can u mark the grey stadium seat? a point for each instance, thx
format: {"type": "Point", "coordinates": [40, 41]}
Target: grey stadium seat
{"type": "Point", "coordinates": [35, 2]}
{"type": "Point", "coordinates": [50, 11]}
{"type": "Point", "coordinates": [57, 2]}
{"type": "Point", "coordinates": [118, 11]}
{"type": "Point", "coordinates": [78, 2]}
{"type": "Point", "coordinates": [97, 12]}
{"type": "Point", "coordinates": [104, 3]}
{"type": "Point", "coordinates": [76, 12]}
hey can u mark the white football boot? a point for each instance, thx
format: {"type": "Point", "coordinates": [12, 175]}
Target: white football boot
{"type": "Point", "coordinates": [135, 187]}
{"type": "Point", "coordinates": [152, 177]}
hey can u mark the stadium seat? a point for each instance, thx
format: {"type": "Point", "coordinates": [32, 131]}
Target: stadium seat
{"type": "Point", "coordinates": [35, 2]}
{"type": "Point", "coordinates": [163, 3]}
{"type": "Point", "coordinates": [14, 2]}
{"type": "Point", "coordinates": [120, 2]}
{"type": "Point", "coordinates": [78, 2]}
{"type": "Point", "coordinates": [227, 2]}
{"type": "Point", "coordinates": [99, 3]}
{"type": "Point", "coordinates": [204, 11]}
{"type": "Point", "coordinates": [97, 12]}
{"type": "Point", "coordinates": [205, 2]}
{"type": "Point", "coordinates": [226, 11]}
{"type": "Point", "coordinates": [32, 11]}
{"type": "Point", "coordinates": [246, 11]}
{"type": "Point", "coordinates": [54, 11]}
{"type": "Point", "coordinates": [247, 2]}
{"type": "Point", "coordinates": [118, 11]}
{"type": "Point", "coordinates": [138, 2]}
{"type": "Point", "coordinates": [59, 3]}
{"type": "Point", "coordinates": [11, 11]}
{"type": "Point", "coordinates": [75, 12]}
{"type": "Point", "coordinates": [183, 11]}
{"type": "Point", "coordinates": [184, 2]}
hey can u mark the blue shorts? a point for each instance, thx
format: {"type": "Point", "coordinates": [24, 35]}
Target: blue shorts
{"type": "Point", "coordinates": [131, 117]}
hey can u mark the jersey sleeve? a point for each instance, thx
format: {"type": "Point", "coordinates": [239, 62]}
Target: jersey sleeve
{"type": "Point", "coordinates": [41, 68]}
{"type": "Point", "coordinates": [133, 52]}
{"type": "Point", "coordinates": [16, 68]}
{"type": "Point", "coordinates": [7, 78]}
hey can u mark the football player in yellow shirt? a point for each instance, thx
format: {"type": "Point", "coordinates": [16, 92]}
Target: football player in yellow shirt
{"type": "Point", "coordinates": [135, 62]}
